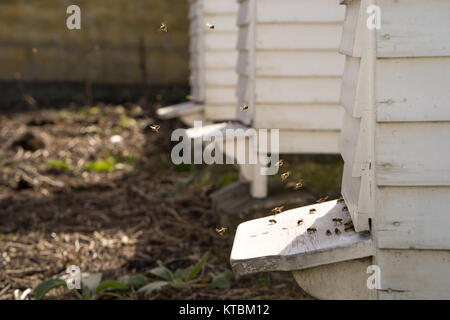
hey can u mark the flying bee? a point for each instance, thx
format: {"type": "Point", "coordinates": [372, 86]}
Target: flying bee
{"type": "Point", "coordinates": [311, 230]}
{"type": "Point", "coordinates": [340, 200]}
{"type": "Point", "coordinates": [337, 231]}
{"type": "Point", "coordinates": [210, 26]}
{"type": "Point", "coordinates": [300, 222]}
{"type": "Point", "coordinates": [312, 211]}
{"type": "Point", "coordinates": [344, 208]}
{"type": "Point", "coordinates": [337, 220]}
{"type": "Point", "coordinates": [155, 127]}
{"type": "Point", "coordinates": [244, 107]}
{"type": "Point", "coordinates": [280, 163]}
{"type": "Point", "coordinates": [163, 27]}
{"type": "Point", "coordinates": [272, 221]}
{"type": "Point", "coordinates": [285, 175]}
{"type": "Point", "coordinates": [298, 185]}
{"type": "Point", "coordinates": [329, 233]}
{"type": "Point", "coordinates": [278, 209]}
{"type": "Point", "coordinates": [322, 199]}
{"type": "Point", "coordinates": [221, 231]}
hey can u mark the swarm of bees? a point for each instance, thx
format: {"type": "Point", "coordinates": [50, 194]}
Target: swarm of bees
{"type": "Point", "coordinates": [285, 175]}
{"type": "Point", "coordinates": [155, 128]}
{"type": "Point", "coordinates": [278, 209]}
{"type": "Point", "coordinates": [312, 211]}
{"type": "Point", "coordinates": [163, 27]}
{"type": "Point", "coordinates": [244, 107]}
{"type": "Point", "coordinates": [210, 26]}
{"type": "Point", "coordinates": [321, 200]}
{"type": "Point", "coordinates": [221, 231]}
{"type": "Point", "coordinates": [272, 221]}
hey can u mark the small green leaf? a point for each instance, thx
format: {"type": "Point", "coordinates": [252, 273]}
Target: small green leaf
{"type": "Point", "coordinates": [179, 274]}
{"type": "Point", "coordinates": [44, 287]}
{"type": "Point", "coordinates": [152, 287]}
{"type": "Point", "coordinates": [59, 164]}
{"type": "Point", "coordinates": [222, 280]}
{"type": "Point", "coordinates": [85, 293]}
{"type": "Point", "coordinates": [162, 272]}
{"type": "Point", "coordinates": [197, 267]}
{"type": "Point", "coordinates": [101, 165]}
{"type": "Point", "coordinates": [135, 281]}
{"type": "Point", "coordinates": [110, 284]}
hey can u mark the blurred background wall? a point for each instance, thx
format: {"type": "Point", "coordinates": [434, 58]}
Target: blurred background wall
{"type": "Point", "coordinates": [118, 54]}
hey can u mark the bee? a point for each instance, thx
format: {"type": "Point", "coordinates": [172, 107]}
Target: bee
{"type": "Point", "coordinates": [298, 185]}
{"type": "Point", "coordinates": [280, 163]}
{"type": "Point", "coordinates": [163, 27]}
{"type": "Point", "coordinates": [349, 227]}
{"type": "Point", "coordinates": [210, 26]}
{"type": "Point", "coordinates": [312, 211]}
{"type": "Point", "coordinates": [278, 209]}
{"type": "Point", "coordinates": [285, 175]}
{"type": "Point", "coordinates": [322, 199]}
{"type": "Point", "coordinates": [311, 230]}
{"type": "Point", "coordinates": [348, 223]}
{"type": "Point", "coordinates": [344, 208]}
{"type": "Point", "coordinates": [272, 221]}
{"type": "Point", "coordinates": [300, 222]}
{"type": "Point", "coordinates": [155, 127]}
{"type": "Point", "coordinates": [337, 231]}
{"type": "Point", "coordinates": [337, 220]}
{"type": "Point", "coordinates": [244, 107]}
{"type": "Point", "coordinates": [340, 200]}
{"type": "Point", "coordinates": [221, 231]}
{"type": "Point", "coordinates": [189, 97]}
{"type": "Point", "coordinates": [328, 233]}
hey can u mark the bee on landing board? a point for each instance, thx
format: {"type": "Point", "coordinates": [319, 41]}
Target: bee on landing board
{"type": "Point", "coordinates": [285, 175]}
{"type": "Point", "coordinates": [278, 209]}
{"type": "Point", "coordinates": [280, 163]}
{"type": "Point", "coordinates": [328, 233]}
{"type": "Point", "coordinates": [340, 200]}
{"type": "Point", "coordinates": [298, 185]}
{"type": "Point", "coordinates": [163, 27]}
{"type": "Point", "coordinates": [312, 211]}
{"type": "Point", "coordinates": [344, 208]}
{"type": "Point", "coordinates": [155, 127]}
{"type": "Point", "coordinates": [337, 231]}
{"type": "Point", "coordinates": [321, 200]}
{"type": "Point", "coordinates": [272, 221]}
{"type": "Point", "coordinates": [221, 231]}
{"type": "Point", "coordinates": [311, 230]}
{"type": "Point", "coordinates": [337, 220]}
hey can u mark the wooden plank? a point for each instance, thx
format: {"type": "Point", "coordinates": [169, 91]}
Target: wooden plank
{"type": "Point", "coordinates": [299, 63]}
{"type": "Point", "coordinates": [297, 90]}
{"type": "Point", "coordinates": [413, 154]}
{"type": "Point", "coordinates": [220, 95]}
{"type": "Point", "coordinates": [414, 274]}
{"type": "Point", "coordinates": [220, 77]}
{"type": "Point", "coordinates": [178, 110]}
{"type": "Point", "coordinates": [222, 59]}
{"type": "Point", "coordinates": [352, 31]}
{"type": "Point", "coordinates": [414, 28]}
{"type": "Point", "coordinates": [422, 95]}
{"type": "Point", "coordinates": [222, 23]}
{"type": "Point", "coordinates": [242, 66]}
{"type": "Point", "coordinates": [350, 80]}
{"type": "Point", "coordinates": [243, 17]}
{"type": "Point", "coordinates": [220, 41]}
{"type": "Point", "coordinates": [413, 217]}
{"type": "Point", "coordinates": [298, 36]}
{"type": "Point", "coordinates": [309, 141]}
{"type": "Point", "coordinates": [243, 41]}
{"type": "Point", "coordinates": [220, 6]}
{"type": "Point", "coordinates": [260, 246]}
{"type": "Point", "coordinates": [220, 112]}
{"type": "Point", "coordinates": [307, 11]}
{"type": "Point", "coordinates": [302, 117]}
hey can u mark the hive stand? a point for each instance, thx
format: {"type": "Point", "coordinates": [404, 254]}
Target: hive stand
{"type": "Point", "coordinates": [212, 64]}
{"type": "Point", "coordinates": [396, 181]}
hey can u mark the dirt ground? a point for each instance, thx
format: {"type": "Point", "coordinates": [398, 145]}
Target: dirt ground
{"type": "Point", "coordinates": [95, 187]}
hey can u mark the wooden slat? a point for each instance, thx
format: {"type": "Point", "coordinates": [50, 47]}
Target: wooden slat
{"type": "Point", "coordinates": [220, 41]}
{"type": "Point", "coordinates": [260, 246]}
{"type": "Point", "coordinates": [220, 112]}
{"type": "Point", "coordinates": [178, 110]}
{"type": "Point", "coordinates": [309, 141]}
{"type": "Point", "coordinates": [220, 6]}
{"type": "Point", "coordinates": [221, 95]}
{"type": "Point", "coordinates": [423, 95]}
{"type": "Point", "coordinates": [222, 59]}
{"type": "Point", "coordinates": [220, 77]}
{"type": "Point", "coordinates": [222, 23]}
{"type": "Point", "coordinates": [413, 154]}
{"type": "Point", "coordinates": [413, 217]}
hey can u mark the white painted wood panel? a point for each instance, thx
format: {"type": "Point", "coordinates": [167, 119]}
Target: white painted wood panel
{"type": "Point", "coordinates": [416, 89]}
{"type": "Point", "coordinates": [309, 141]}
{"type": "Point", "coordinates": [222, 23]}
{"type": "Point", "coordinates": [300, 10]}
{"type": "Point", "coordinates": [220, 59]}
{"type": "Point", "coordinates": [413, 217]}
{"type": "Point", "coordinates": [220, 6]}
{"type": "Point", "coordinates": [413, 154]}
{"type": "Point", "coordinates": [297, 90]}
{"type": "Point", "coordinates": [220, 112]}
{"type": "Point", "coordinates": [414, 274]}
{"type": "Point", "coordinates": [299, 63]}
{"type": "Point", "coordinates": [243, 13]}
{"type": "Point", "coordinates": [224, 95]}
{"type": "Point", "coordinates": [220, 77]}
{"type": "Point", "coordinates": [304, 117]}
{"type": "Point", "coordinates": [220, 41]}
{"type": "Point", "coordinates": [298, 36]}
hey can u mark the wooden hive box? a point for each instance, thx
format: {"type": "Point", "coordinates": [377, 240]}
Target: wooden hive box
{"type": "Point", "coordinates": [394, 141]}
{"type": "Point", "coordinates": [213, 56]}
{"type": "Point", "coordinates": [290, 71]}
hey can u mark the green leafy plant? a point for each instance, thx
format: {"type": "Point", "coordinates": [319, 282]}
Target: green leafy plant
{"type": "Point", "coordinates": [101, 165]}
{"type": "Point", "coordinates": [59, 164]}
{"type": "Point", "coordinates": [44, 287]}
{"type": "Point", "coordinates": [180, 279]}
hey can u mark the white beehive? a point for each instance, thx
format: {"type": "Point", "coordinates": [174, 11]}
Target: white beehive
{"type": "Point", "coordinates": [290, 71]}
{"type": "Point", "coordinates": [213, 56]}
{"type": "Point", "coordinates": [396, 181]}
